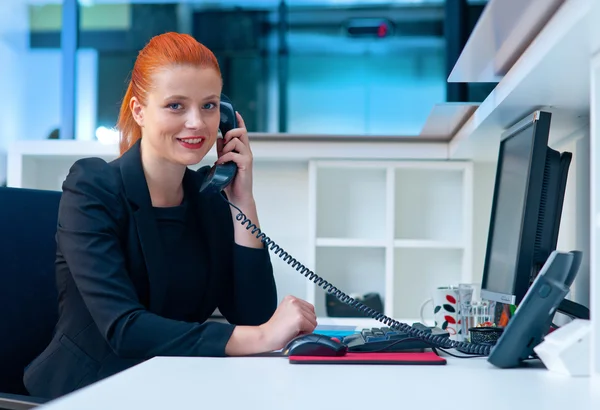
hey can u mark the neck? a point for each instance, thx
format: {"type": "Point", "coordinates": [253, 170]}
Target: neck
{"type": "Point", "coordinates": [164, 179]}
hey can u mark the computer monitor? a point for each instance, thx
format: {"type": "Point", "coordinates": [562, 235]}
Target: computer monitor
{"type": "Point", "coordinates": [526, 210]}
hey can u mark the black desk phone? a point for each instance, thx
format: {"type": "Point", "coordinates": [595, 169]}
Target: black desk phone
{"type": "Point", "coordinates": [220, 176]}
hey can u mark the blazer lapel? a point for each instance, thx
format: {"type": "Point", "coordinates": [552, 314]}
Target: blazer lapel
{"type": "Point", "coordinates": [136, 189]}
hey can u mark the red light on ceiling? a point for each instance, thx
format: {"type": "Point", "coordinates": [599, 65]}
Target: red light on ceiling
{"type": "Point", "coordinates": [369, 27]}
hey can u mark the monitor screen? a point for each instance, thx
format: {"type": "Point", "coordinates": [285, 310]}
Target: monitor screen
{"type": "Point", "coordinates": [515, 159]}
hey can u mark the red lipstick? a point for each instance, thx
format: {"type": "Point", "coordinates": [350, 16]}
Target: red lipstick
{"type": "Point", "coordinates": [193, 142]}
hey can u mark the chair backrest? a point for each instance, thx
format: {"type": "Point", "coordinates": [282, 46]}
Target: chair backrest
{"type": "Point", "coordinates": [28, 296]}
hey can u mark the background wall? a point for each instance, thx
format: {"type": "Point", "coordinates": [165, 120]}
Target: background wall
{"type": "Point", "coordinates": [370, 94]}
{"type": "Point", "coordinates": [575, 224]}
{"type": "Point", "coordinates": [282, 203]}
{"type": "Point", "coordinates": [484, 174]}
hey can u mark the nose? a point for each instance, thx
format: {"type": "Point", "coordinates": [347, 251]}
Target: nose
{"type": "Point", "coordinates": [194, 120]}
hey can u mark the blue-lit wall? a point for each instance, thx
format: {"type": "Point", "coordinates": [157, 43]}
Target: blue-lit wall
{"type": "Point", "coordinates": [375, 95]}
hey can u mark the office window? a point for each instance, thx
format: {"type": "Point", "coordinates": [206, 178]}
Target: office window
{"type": "Point", "coordinates": [365, 94]}
{"type": "Point", "coordinates": [40, 73]}
{"type": "Point", "coordinates": [29, 77]}
{"type": "Point", "coordinates": [374, 70]}
{"type": "Point", "coordinates": [334, 83]}
{"type": "Point", "coordinates": [319, 77]}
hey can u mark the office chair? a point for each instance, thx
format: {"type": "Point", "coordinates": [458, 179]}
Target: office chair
{"type": "Point", "coordinates": [28, 305]}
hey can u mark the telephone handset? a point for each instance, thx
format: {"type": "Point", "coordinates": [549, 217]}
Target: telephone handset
{"type": "Point", "coordinates": [221, 175]}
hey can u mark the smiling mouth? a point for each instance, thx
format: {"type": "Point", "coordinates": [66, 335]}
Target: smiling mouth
{"type": "Point", "coordinates": [191, 143]}
{"type": "Point", "coordinates": [191, 140]}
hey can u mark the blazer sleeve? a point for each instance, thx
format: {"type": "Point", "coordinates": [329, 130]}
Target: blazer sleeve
{"type": "Point", "coordinates": [249, 295]}
{"type": "Point", "coordinates": [91, 224]}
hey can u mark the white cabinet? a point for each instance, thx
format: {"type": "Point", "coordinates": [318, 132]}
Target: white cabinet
{"type": "Point", "coordinates": [397, 228]}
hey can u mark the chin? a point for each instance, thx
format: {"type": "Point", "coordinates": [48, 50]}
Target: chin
{"type": "Point", "coordinates": [190, 159]}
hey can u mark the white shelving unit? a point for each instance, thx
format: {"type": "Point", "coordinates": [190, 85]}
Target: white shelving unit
{"type": "Point", "coordinates": [38, 164]}
{"type": "Point", "coordinates": [538, 79]}
{"type": "Point", "coordinates": [396, 228]}
{"type": "Point", "coordinates": [354, 226]}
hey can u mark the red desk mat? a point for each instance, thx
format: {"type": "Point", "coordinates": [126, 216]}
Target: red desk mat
{"type": "Point", "coordinates": [425, 358]}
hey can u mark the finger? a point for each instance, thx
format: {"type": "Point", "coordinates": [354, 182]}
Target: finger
{"type": "Point", "coordinates": [220, 145]}
{"type": "Point", "coordinates": [237, 133]}
{"type": "Point", "coordinates": [237, 146]}
{"type": "Point", "coordinates": [240, 160]}
{"type": "Point", "coordinates": [309, 324]}
{"type": "Point", "coordinates": [233, 133]}
{"type": "Point", "coordinates": [306, 324]}
{"type": "Point", "coordinates": [308, 315]}
{"type": "Point", "coordinates": [306, 305]}
{"type": "Point", "coordinates": [240, 120]}
{"type": "Point", "coordinates": [242, 124]}
{"type": "Point", "coordinates": [307, 308]}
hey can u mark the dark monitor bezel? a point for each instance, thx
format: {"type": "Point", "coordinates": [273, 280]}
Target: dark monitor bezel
{"type": "Point", "coordinates": [540, 120]}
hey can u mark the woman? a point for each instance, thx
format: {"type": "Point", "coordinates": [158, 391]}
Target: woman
{"type": "Point", "coordinates": [143, 259]}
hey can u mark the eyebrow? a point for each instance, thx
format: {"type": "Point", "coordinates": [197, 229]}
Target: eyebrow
{"type": "Point", "coordinates": [183, 97]}
{"type": "Point", "coordinates": [176, 97]}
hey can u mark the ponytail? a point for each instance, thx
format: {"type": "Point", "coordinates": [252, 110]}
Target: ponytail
{"type": "Point", "coordinates": [130, 131]}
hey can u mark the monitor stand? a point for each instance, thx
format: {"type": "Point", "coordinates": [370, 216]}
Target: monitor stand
{"type": "Point", "coordinates": [573, 309]}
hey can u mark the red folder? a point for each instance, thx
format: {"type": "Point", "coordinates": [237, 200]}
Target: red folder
{"type": "Point", "coordinates": [407, 358]}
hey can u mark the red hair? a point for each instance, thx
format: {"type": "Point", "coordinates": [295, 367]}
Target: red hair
{"type": "Point", "coordinates": [161, 51]}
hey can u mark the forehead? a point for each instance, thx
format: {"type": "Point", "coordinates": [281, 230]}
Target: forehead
{"type": "Point", "coordinates": [186, 80]}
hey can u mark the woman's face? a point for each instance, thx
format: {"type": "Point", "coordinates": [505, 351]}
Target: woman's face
{"type": "Point", "coordinates": [181, 118]}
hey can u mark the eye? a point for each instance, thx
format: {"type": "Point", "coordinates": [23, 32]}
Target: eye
{"type": "Point", "coordinates": [174, 106]}
{"type": "Point", "coordinates": [209, 106]}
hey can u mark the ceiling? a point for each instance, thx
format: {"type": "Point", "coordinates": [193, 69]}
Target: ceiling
{"type": "Point", "coordinates": [269, 4]}
{"type": "Point", "coordinates": [266, 4]}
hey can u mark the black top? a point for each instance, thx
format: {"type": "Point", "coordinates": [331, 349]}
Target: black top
{"type": "Point", "coordinates": [186, 264]}
{"type": "Point", "coordinates": [136, 282]}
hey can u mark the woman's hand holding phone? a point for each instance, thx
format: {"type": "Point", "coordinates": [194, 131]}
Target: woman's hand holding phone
{"type": "Point", "coordinates": [235, 146]}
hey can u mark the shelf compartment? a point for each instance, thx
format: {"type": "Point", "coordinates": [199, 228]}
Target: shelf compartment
{"type": "Point", "coordinates": [352, 270]}
{"type": "Point", "coordinates": [417, 272]}
{"type": "Point", "coordinates": [351, 203]}
{"type": "Point", "coordinates": [349, 243]}
{"type": "Point", "coordinates": [288, 229]}
{"type": "Point", "coordinates": [429, 205]}
{"type": "Point", "coordinates": [426, 244]}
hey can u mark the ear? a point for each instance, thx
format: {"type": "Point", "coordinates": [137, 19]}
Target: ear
{"type": "Point", "coordinates": [137, 110]}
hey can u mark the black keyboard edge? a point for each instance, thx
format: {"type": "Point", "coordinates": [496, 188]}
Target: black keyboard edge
{"type": "Point", "coordinates": [356, 343]}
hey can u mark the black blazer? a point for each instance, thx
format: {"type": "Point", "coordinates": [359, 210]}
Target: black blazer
{"type": "Point", "coordinates": [111, 279]}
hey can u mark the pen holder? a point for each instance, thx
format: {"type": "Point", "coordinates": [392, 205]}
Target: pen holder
{"type": "Point", "coordinates": [485, 335]}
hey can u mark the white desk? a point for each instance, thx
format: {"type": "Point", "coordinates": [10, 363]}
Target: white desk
{"type": "Point", "coordinates": [273, 383]}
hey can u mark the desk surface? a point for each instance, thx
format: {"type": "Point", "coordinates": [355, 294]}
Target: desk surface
{"type": "Point", "coordinates": [273, 383]}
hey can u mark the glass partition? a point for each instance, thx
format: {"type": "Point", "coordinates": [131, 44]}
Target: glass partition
{"type": "Point", "coordinates": [297, 66]}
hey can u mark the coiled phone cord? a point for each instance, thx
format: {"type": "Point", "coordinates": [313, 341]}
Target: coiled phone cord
{"type": "Point", "coordinates": [434, 340]}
